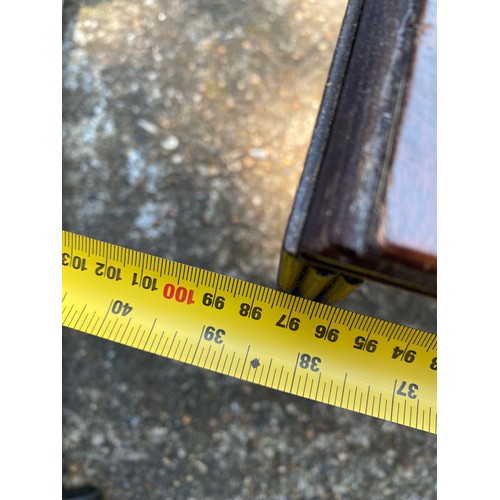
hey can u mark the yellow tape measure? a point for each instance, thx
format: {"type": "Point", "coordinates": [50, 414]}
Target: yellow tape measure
{"type": "Point", "coordinates": [250, 332]}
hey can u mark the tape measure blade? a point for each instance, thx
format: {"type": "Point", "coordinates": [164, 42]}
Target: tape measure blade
{"type": "Point", "coordinates": [250, 332]}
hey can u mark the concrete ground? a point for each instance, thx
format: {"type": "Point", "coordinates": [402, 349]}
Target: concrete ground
{"type": "Point", "coordinates": [185, 127]}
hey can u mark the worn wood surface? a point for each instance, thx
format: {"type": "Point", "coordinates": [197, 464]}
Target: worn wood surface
{"type": "Point", "coordinates": [407, 227]}
{"type": "Point", "coordinates": [370, 209]}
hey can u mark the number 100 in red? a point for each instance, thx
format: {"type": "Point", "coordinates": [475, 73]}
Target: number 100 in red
{"type": "Point", "coordinates": [178, 293]}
